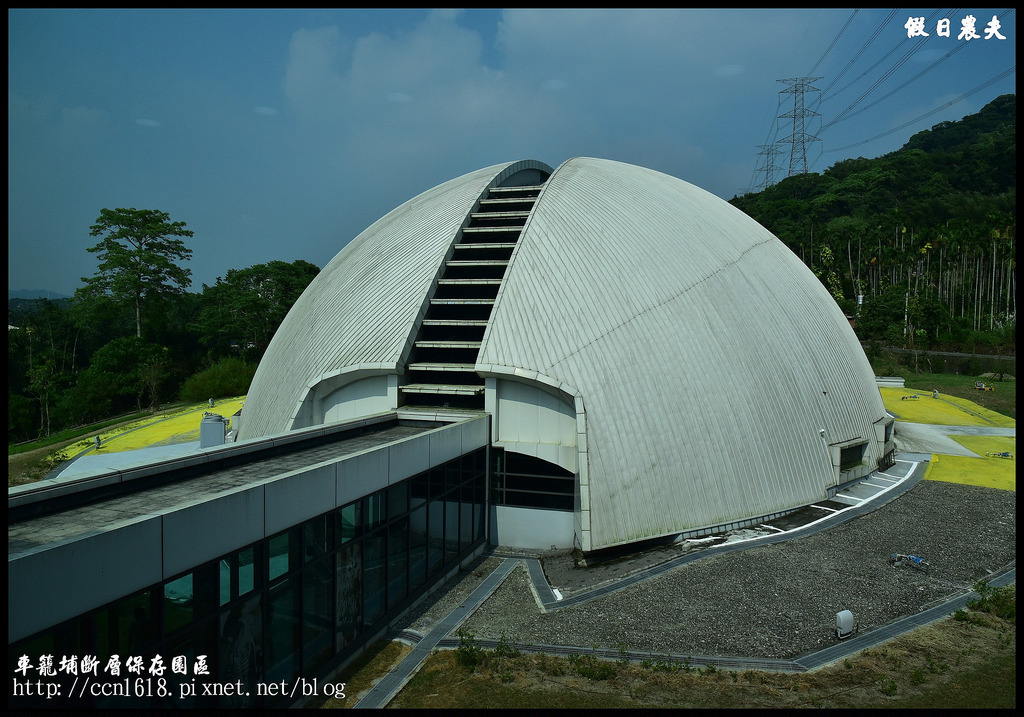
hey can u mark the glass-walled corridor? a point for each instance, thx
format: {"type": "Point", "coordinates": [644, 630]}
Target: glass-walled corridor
{"type": "Point", "coordinates": [246, 629]}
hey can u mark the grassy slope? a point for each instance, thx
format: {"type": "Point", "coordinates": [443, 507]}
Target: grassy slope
{"type": "Point", "coordinates": [1003, 399]}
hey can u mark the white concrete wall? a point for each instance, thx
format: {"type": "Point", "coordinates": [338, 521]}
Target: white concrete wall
{"type": "Point", "coordinates": [359, 398]}
{"type": "Point", "coordinates": [531, 528]}
{"type": "Point", "coordinates": [531, 420]}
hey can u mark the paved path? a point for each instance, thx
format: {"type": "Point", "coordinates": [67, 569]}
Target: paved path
{"type": "Point", "coordinates": [966, 430]}
{"type": "Point", "coordinates": [391, 683]}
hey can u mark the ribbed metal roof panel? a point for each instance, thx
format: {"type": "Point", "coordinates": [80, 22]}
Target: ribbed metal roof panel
{"type": "Point", "coordinates": [707, 355]}
{"type": "Point", "coordinates": [363, 306]}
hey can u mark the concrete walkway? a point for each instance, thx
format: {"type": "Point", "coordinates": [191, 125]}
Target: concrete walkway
{"type": "Point", "coordinates": [388, 687]}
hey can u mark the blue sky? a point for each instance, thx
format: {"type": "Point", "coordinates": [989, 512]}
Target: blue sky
{"type": "Point", "coordinates": [282, 134]}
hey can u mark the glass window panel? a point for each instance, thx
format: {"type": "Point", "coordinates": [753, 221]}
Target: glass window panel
{"type": "Point", "coordinates": [398, 499]}
{"type": "Point", "coordinates": [280, 546]}
{"type": "Point", "coordinates": [435, 535]}
{"type": "Point", "coordinates": [349, 593]}
{"type": "Point", "coordinates": [419, 490]}
{"type": "Point", "coordinates": [451, 527]}
{"type": "Point", "coordinates": [398, 561]}
{"type": "Point", "coordinates": [479, 527]}
{"type": "Point", "coordinates": [436, 480]}
{"type": "Point", "coordinates": [452, 475]}
{"type": "Point", "coordinates": [281, 633]}
{"type": "Point", "coordinates": [350, 522]}
{"type": "Point", "coordinates": [480, 481]}
{"type": "Point", "coordinates": [69, 638]}
{"type": "Point", "coordinates": [374, 577]}
{"type": "Point", "coordinates": [246, 570]}
{"type": "Point", "coordinates": [205, 589]}
{"type": "Point", "coordinates": [201, 639]}
{"type": "Point", "coordinates": [224, 570]}
{"type": "Point", "coordinates": [240, 644]}
{"type": "Point", "coordinates": [466, 513]}
{"type": "Point", "coordinates": [178, 601]}
{"type": "Point", "coordinates": [373, 510]}
{"type": "Point", "coordinates": [317, 614]}
{"type": "Point", "coordinates": [105, 631]}
{"type": "Point", "coordinates": [137, 631]}
{"type": "Point", "coordinates": [315, 538]}
{"type": "Point", "coordinates": [418, 547]}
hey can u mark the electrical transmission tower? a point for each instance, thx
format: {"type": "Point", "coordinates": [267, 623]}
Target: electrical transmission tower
{"type": "Point", "coordinates": [799, 86]}
{"type": "Point", "coordinates": [770, 166]}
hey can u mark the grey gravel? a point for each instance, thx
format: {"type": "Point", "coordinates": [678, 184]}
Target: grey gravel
{"type": "Point", "coordinates": [780, 601]}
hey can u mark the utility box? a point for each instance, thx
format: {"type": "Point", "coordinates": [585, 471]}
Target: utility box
{"type": "Point", "coordinates": [212, 430]}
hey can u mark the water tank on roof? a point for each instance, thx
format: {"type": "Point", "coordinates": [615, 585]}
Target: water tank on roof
{"type": "Point", "coordinates": [212, 430]}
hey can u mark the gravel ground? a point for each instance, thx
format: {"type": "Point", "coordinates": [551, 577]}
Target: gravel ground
{"type": "Point", "coordinates": [773, 601]}
{"type": "Point", "coordinates": [423, 616]}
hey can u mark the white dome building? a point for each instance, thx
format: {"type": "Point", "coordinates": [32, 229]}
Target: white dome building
{"type": "Point", "coordinates": [654, 361]}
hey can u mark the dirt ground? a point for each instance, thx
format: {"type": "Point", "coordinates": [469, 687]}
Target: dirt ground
{"type": "Point", "coordinates": [31, 466]}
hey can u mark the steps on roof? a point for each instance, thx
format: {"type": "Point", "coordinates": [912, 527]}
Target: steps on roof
{"type": "Point", "coordinates": [440, 371]}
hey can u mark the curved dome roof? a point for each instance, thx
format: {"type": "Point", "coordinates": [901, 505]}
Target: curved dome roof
{"type": "Point", "coordinates": [703, 360]}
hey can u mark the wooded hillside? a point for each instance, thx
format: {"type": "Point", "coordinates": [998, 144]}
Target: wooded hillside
{"type": "Point", "coordinates": [927, 232]}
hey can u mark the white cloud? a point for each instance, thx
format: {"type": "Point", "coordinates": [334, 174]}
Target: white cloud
{"type": "Point", "coordinates": [730, 70]}
{"type": "Point", "coordinates": [311, 82]}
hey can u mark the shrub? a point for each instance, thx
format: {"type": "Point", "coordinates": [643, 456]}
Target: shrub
{"type": "Point", "coordinates": [591, 667]}
{"type": "Point", "coordinates": [506, 649]}
{"type": "Point", "coordinates": [469, 653]}
{"type": "Point", "coordinates": [228, 377]}
{"type": "Point", "coordinates": [1001, 602]}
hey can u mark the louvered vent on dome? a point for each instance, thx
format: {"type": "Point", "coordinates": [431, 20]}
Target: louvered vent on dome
{"type": "Point", "coordinates": [441, 368]}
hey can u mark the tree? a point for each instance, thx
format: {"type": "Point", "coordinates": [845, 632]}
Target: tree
{"type": "Point", "coordinates": [246, 307]}
{"type": "Point", "coordinates": [132, 368]}
{"type": "Point", "coordinates": [41, 357]}
{"type": "Point", "coordinates": [137, 257]}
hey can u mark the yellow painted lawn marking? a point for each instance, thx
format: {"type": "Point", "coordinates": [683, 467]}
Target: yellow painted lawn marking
{"type": "Point", "coordinates": [983, 471]}
{"type": "Point", "coordinates": [944, 411]}
{"type": "Point", "coordinates": [179, 427]}
{"type": "Point", "coordinates": [993, 418]}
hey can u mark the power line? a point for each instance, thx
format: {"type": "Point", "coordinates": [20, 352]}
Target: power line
{"type": "Point", "coordinates": [773, 129]}
{"type": "Point", "coordinates": [930, 19]}
{"type": "Point", "coordinates": [769, 139]}
{"type": "Point", "coordinates": [862, 50]}
{"type": "Point", "coordinates": [920, 74]}
{"type": "Point", "coordinates": [833, 43]}
{"type": "Point", "coordinates": [1004, 74]}
{"type": "Point", "coordinates": [800, 137]}
{"type": "Point", "coordinates": [886, 75]}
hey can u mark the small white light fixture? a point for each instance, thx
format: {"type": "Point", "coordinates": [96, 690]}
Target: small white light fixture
{"type": "Point", "coordinates": [845, 624]}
